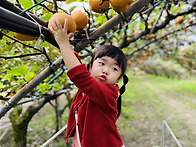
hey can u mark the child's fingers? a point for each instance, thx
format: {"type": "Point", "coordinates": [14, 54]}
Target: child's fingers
{"type": "Point", "coordinates": [54, 25]}
{"type": "Point", "coordinates": [52, 30]}
{"type": "Point", "coordinates": [58, 23]}
{"type": "Point", "coordinates": [65, 24]}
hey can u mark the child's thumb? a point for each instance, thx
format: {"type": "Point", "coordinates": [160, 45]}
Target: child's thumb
{"type": "Point", "coordinates": [70, 35]}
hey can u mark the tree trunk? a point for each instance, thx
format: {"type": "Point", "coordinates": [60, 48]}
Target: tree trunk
{"type": "Point", "coordinates": [21, 120]}
{"type": "Point", "coordinates": [19, 127]}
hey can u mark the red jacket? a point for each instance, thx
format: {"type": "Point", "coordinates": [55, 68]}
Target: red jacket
{"type": "Point", "coordinates": [97, 111]}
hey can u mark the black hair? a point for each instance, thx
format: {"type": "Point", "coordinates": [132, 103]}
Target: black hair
{"type": "Point", "coordinates": [122, 90]}
{"type": "Point", "coordinates": [118, 55]}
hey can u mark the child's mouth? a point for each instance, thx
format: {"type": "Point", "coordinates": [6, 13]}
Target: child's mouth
{"type": "Point", "coordinates": [102, 78]}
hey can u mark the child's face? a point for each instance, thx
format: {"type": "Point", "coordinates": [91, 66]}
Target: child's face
{"type": "Point", "coordinates": [105, 70]}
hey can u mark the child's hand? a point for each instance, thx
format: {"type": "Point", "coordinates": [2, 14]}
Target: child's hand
{"type": "Point", "coordinates": [60, 33]}
{"type": "Point", "coordinates": [62, 38]}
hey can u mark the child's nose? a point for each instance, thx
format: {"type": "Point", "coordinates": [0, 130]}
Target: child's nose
{"type": "Point", "coordinates": [106, 71]}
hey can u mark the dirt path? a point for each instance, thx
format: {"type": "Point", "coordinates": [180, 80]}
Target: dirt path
{"type": "Point", "coordinates": [182, 114]}
{"type": "Point", "coordinates": [183, 111]}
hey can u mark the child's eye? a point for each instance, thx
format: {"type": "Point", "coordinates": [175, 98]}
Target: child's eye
{"type": "Point", "coordinates": [101, 63]}
{"type": "Point", "coordinates": [115, 69]}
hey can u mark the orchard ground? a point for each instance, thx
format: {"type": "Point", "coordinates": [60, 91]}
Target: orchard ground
{"type": "Point", "coordinates": [154, 99]}
{"type": "Point", "coordinates": [147, 102]}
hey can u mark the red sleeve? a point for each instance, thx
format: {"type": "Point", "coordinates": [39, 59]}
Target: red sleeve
{"type": "Point", "coordinates": [99, 93]}
{"type": "Point", "coordinates": [76, 54]}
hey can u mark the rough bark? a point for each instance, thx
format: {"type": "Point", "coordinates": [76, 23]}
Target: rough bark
{"type": "Point", "coordinates": [21, 120]}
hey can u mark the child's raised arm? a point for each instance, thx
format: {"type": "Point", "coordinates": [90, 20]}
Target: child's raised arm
{"type": "Point", "coordinates": [62, 38]}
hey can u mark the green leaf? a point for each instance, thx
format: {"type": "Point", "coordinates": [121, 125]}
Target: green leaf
{"type": "Point", "coordinates": [29, 76]}
{"type": "Point", "coordinates": [26, 4]}
{"type": "Point", "coordinates": [72, 8]}
{"type": "Point", "coordinates": [56, 87]}
{"type": "Point", "coordinates": [1, 75]}
{"type": "Point", "coordinates": [44, 87]}
{"type": "Point", "coordinates": [13, 88]}
{"type": "Point", "coordinates": [35, 68]}
{"type": "Point", "coordinates": [7, 77]}
{"type": "Point", "coordinates": [21, 81]}
{"type": "Point", "coordinates": [46, 17]}
{"type": "Point", "coordinates": [70, 1]}
{"type": "Point", "coordinates": [21, 70]}
{"type": "Point", "coordinates": [101, 19]}
{"type": "Point", "coordinates": [13, 83]}
{"type": "Point", "coordinates": [1, 85]}
{"type": "Point", "coordinates": [142, 26]}
{"type": "Point", "coordinates": [8, 47]}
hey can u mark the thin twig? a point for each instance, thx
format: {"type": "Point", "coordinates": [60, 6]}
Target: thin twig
{"type": "Point", "coordinates": [48, 58]}
{"type": "Point", "coordinates": [21, 56]}
{"type": "Point", "coordinates": [45, 7]}
{"type": "Point", "coordinates": [30, 46]}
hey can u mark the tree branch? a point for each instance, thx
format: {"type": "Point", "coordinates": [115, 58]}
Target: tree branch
{"type": "Point", "coordinates": [160, 38]}
{"type": "Point", "coordinates": [21, 56]}
{"type": "Point", "coordinates": [156, 28]}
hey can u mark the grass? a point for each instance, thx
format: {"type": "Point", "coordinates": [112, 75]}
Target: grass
{"type": "Point", "coordinates": [138, 90]}
{"type": "Point", "coordinates": [180, 86]}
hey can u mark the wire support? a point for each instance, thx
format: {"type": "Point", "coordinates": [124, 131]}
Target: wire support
{"type": "Point", "coordinates": [31, 7]}
{"type": "Point", "coordinates": [54, 136]}
{"type": "Point", "coordinates": [163, 135]}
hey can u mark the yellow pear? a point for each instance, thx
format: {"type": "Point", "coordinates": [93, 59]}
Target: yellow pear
{"type": "Point", "coordinates": [99, 6]}
{"type": "Point", "coordinates": [120, 5]}
{"type": "Point", "coordinates": [80, 19]}
{"type": "Point", "coordinates": [62, 17]}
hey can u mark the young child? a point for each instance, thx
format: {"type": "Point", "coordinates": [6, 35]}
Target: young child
{"type": "Point", "coordinates": [94, 111]}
